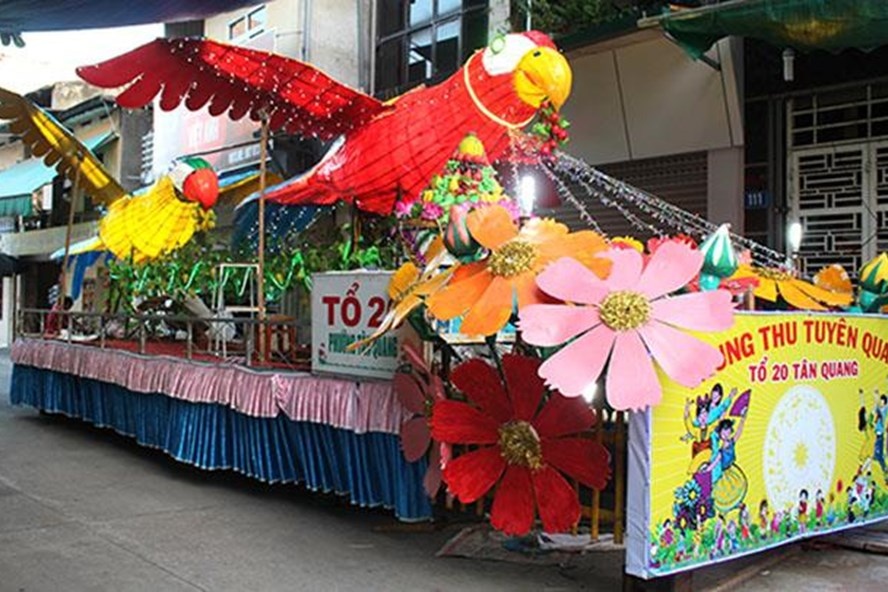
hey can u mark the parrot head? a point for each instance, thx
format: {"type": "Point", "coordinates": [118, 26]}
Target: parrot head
{"type": "Point", "coordinates": [538, 69]}
{"type": "Point", "coordinates": [196, 181]}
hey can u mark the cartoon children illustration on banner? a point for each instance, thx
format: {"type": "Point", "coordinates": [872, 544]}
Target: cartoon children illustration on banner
{"type": "Point", "coordinates": [711, 516]}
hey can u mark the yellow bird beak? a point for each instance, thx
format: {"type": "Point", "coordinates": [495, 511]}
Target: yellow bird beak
{"type": "Point", "coordinates": [543, 73]}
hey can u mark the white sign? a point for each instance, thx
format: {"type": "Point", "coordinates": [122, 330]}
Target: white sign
{"type": "Point", "coordinates": [347, 306]}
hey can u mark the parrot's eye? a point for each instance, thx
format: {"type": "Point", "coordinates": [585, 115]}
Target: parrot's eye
{"type": "Point", "coordinates": [498, 43]}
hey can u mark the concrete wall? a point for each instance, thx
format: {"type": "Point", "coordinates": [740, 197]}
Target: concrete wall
{"type": "Point", "coordinates": [68, 94]}
{"type": "Point", "coordinates": [134, 126]}
{"type": "Point", "coordinates": [330, 41]}
{"type": "Point", "coordinates": [640, 96]}
{"type": "Point", "coordinates": [7, 310]}
{"type": "Point", "coordinates": [647, 98]}
{"type": "Point", "coordinates": [39, 244]}
{"type": "Point", "coordinates": [10, 154]}
{"type": "Point", "coordinates": [499, 17]}
{"type": "Point", "coordinates": [42, 243]}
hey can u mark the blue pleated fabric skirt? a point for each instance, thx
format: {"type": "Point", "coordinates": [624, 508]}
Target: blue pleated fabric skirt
{"type": "Point", "coordinates": [368, 468]}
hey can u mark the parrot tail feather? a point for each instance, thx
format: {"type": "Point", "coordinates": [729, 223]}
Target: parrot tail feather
{"type": "Point", "coordinates": [301, 190]}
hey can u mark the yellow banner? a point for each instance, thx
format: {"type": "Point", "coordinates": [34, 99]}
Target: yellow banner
{"type": "Point", "coordinates": [786, 441]}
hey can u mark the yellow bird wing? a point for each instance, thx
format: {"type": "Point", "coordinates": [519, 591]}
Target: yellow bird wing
{"type": "Point", "coordinates": [150, 225]}
{"type": "Point", "coordinates": [59, 148]}
{"type": "Point", "coordinates": [113, 233]}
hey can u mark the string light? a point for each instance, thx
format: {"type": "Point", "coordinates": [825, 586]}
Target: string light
{"type": "Point", "coordinates": [620, 196]}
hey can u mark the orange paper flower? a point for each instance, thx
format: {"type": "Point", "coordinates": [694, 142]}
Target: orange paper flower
{"type": "Point", "coordinates": [799, 294]}
{"type": "Point", "coordinates": [485, 291]}
{"type": "Point", "coordinates": [835, 279]}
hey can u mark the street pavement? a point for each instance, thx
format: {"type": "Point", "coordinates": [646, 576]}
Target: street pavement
{"type": "Point", "coordinates": [84, 509]}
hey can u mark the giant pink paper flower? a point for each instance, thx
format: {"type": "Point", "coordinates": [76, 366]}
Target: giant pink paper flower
{"type": "Point", "coordinates": [628, 318]}
{"type": "Point", "coordinates": [418, 391]}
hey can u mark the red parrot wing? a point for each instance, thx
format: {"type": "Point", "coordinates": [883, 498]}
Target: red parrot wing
{"type": "Point", "coordinates": [296, 96]}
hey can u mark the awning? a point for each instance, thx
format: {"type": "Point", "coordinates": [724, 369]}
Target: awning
{"type": "Point", "coordinates": [831, 25]}
{"type": "Point", "coordinates": [19, 181]}
{"type": "Point", "coordinates": [59, 15]}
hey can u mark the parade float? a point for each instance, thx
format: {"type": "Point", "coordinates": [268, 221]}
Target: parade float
{"type": "Point", "coordinates": [490, 363]}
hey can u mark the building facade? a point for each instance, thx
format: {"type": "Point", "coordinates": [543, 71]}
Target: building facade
{"type": "Point", "coordinates": [35, 201]}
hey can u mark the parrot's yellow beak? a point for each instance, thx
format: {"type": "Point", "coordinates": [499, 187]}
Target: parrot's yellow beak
{"type": "Point", "coordinates": [543, 73]}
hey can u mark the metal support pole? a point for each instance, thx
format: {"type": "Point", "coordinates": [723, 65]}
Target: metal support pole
{"type": "Point", "coordinates": [142, 336]}
{"type": "Point", "coordinates": [189, 346]}
{"type": "Point", "coordinates": [263, 157]}
{"type": "Point", "coordinates": [71, 205]}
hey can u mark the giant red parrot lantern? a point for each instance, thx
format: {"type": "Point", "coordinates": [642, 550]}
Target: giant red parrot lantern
{"type": "Point", "coordinates": [384, 149]}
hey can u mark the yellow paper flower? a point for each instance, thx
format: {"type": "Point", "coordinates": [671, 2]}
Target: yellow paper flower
{"type": "Point", "coordinates": [409, 288]}
{"type": "Point", "coordinates": [802, 295]}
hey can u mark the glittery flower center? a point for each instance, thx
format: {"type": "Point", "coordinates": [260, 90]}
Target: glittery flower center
{"type": "Point", "coordinates": [774, 274]}
{"type": "Point", "coordinates": [624, 311]}
{"type": "Point", "coordinates": [520, 445]}
{"type": "Point", "coordinates": [512, 258]}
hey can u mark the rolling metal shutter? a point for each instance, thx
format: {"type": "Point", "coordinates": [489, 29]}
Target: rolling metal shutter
{"type": "Point", "coordinates": [679, 180]}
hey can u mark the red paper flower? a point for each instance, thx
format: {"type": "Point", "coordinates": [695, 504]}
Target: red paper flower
{"type": "Point", "coordinates": [417, 392]}
{"type": "Point", "coordinates": [523, 448]}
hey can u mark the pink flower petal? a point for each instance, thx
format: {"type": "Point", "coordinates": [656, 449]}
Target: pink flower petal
{"type": "Point", "coordinates": [569, 280]}
{"type": "Point", "coordinates": [554, 324]}
{"type": "Point", "coordinates": [580, 363]}
{"type": "Point", "coordinates": [432, 479]}
{"type": "Point", "coordinates": [415, 357]}
{"type": "Point", "coordinates": [409, 393]}
{"type": "Point", "coordinates": [701, 311]}
{"type": "Point", "coordinates": [512, 511]}
{"type": "Point", "coordinates": [631, 379]}
{"type": "Point", "coordinates": [685, 359]}
{"type": "Point", "coordinates": [626, 270]}
{"type": "Point", "coordinates": [671, 267]}
{"type": "Point", "coordinates": [415, 438]}
{"type": "Point", "coordinates": [436, 387]}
